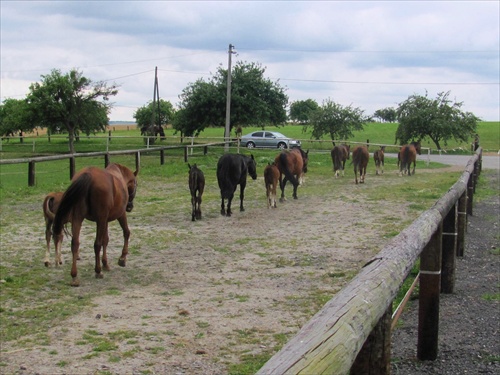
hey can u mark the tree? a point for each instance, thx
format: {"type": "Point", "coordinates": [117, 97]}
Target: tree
{"type": "Point", "coordinates": [70, 102]}
{"type": "Point", "coordinates": [161, 115]}
{"type": "Point", "coordinates": [439, 119]}
{"type": "Point", "coordinates": [335, 120]}
{"type": "Point", "coordinates": [301, 110]}
{"type": "Point", "coordinates": [255, 100]}
{"type": "Point", "coordinates": [386, 114]}
{"type": "Point", "coordinates": [15, 117]}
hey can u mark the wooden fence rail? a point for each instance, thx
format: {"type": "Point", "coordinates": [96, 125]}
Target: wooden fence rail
{"type": "Point", "coordinates": [106, 154]}
{"type": "Point", "coordinates": [351, 334]}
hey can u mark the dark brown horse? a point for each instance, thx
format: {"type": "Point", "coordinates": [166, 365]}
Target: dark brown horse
{"type": "Point", "coordinates": [408, 155]}
{"type": "Point", "coordinates": [360, 157]}
{"type": "Point", "coordinates": [50, 206]}
{"type": "Point", "coordinates": [339, 155]}
{"type": "Point", "coordinates": [232, 170]}
{"type": "Point", "coordinates": [101, 196]}
{"type": "Point", "coordinates": [292, 164]}
{"type": "Point", "coordinates": [271, 180]}
{"type": "Point", "coordinates": [378, 156]}
{"type": "Point", "coordinates": [196, 187]}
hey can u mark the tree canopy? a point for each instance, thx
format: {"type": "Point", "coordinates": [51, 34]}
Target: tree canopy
{"type": "Point", "coordinates": [386, 114]}
{"type": "Point", "coordinates": [439, 119]}
{"type": "Point", "coordinates": [158, 113]}
{"type": "Point", "coordinates": [15, 116]}
{"type": "Point", "coordinates": [301, 110]}
{"type": "Point", "coordinates": [70, 102]}
{"type": "Point", "coordinates": [255, 100]}
{"type": "Point", "coordinates": [335, 120]}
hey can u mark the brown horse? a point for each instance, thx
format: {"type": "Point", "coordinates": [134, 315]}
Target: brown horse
{"type": "Point", "coordinates": [101, 196]}
{"type": "Point", "coordinates": [292, 164]}
{"type": "Point", "coordinates": [50, 206]}
{"type": "Point", "coordinates": [339, 155]}
{"type": "Point", "coordinates": [360, 157]}
{"type": "Point", "coordinates": [271, 179]}
{"type": "Point", "coordinates": [378, 156]}
{"type": "Point", "coordinates": [196, 187]}
{"type": "Point", "coordinates": [406, 156]}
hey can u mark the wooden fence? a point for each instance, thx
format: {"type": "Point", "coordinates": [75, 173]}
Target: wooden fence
{"type": "Point", "coordinates": [352, 333]}
{"type": "Point", "coordinates": [106, 154]}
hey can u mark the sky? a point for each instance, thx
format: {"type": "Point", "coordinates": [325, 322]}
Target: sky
{"type": "Point", "coordinates": [366, 54]}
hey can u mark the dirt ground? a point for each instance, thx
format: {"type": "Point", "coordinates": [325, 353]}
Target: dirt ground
{"type": "Point", "coordinates": [222, 287]}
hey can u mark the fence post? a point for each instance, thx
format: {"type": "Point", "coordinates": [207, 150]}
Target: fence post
{"type": "Point", "coordinates": [31, 173]}
{"type": "Point", "coordinates": [470, 194]}
{"type": "Point", "coordinates": [428, 309]}
{"type": "Point", "coordinates": [374, 357]}
{"type": "Point", "coordinates": [162, 156]}
{"type": "Point", "coordinates": [205, 150]}
{"type": "Point", "coordinates": [449, 247]}
{"type": "Point", "coordinates": [462, 224]}
{"type": "Point", "coordinates": [185, 154]}
{"type": "Point", "coordinates": [106, 160]}
{"type": "Point", "coordinates": [71, 167]}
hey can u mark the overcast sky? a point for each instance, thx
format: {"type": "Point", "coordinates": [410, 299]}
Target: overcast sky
{"type": "Point", "coordinates": [369, 54]}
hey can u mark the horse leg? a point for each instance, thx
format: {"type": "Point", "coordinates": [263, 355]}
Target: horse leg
{"type": "Point", "coordinates": [100, 242]}
{"type": "Point", "coordinates": [414, 165]}
{"type": "Point", "coordinates": [242, 195]}
{"type": "Point", "coordinates": [76, 226]}
{"type": "Point", "coordinates": [122, 261]}
{"type": "Point", "coordinates": [198, 207]}
{"type": "Point", "coordinates": [343, 168]}
{"type": "Point", "coordinates": [282, 187]}
{"type": "Point", "coordinates": [48, 237]}
{"type": "Point", "coordinates": [229, 200]}
{"type": "Point", "coordinates": [356, 175]}
{"type": "Point", "coordinates": [222, 210]}
{"type": "Point", "coordinates": [193, 206]}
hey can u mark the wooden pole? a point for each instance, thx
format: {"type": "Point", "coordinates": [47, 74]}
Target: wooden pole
{"type": "Point", "coordinates": [31, 173]}
{"type": "Point", "coordinates": [72, 167]}
{"type": "Point", "coordinates": [185, 154]}
{"type": "Point", "coordinates": [430, 283]}
{"type": "Point", "coordinates": [449, 251]}
{"type": "Point", "coordinates": [462, 224]}
{"type": "Point", "coordinates": [470, 194]}
{"type": "Point", "coordinates": [375, 355]}
{"type": "Point", "coordinates": [106, 160]}
{"type": "Point", "coordinates": [162, 156]}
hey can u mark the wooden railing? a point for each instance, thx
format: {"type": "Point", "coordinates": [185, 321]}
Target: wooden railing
{"type": "Point", "coordinates": [106, 154]}
{"type": "Point", "coordinates": [352, 333]}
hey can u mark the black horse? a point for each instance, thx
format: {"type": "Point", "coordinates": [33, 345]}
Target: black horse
{"type": "Point", "coordinates": [232, 170]}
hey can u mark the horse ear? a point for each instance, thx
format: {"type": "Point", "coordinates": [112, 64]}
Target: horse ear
{"type": "Point", "coordinates": [251, 155]}
{"type": "Point", "coordinates": [189, 166]}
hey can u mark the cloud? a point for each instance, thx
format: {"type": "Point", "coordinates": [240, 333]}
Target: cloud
{"type": "Point", "coordinates": [372, 54]}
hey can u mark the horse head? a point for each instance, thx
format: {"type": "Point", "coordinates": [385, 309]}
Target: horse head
{"type": "Point", "coordinates": [252, 167]}
{"type": "Point", "coordinates": [305, 159]}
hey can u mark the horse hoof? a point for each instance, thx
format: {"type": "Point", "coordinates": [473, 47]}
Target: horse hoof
{"type": "Point", "coordinates": [121, 262]}
{"type": "Point", "coordinates": [47, 264]}
{"type": "Point", "coordinates": [75, 282]}
{"type": "Point", "coordinates": [99, 275]}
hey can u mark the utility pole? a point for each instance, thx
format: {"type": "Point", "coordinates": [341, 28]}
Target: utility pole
{"type": "Point", "coordinates": [227, 133]}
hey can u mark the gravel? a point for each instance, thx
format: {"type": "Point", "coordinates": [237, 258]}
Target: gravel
{"type": "Point", "coordinates": [469, 325]}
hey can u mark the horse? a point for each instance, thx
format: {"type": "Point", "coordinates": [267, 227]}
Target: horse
{"type": "Point", "coordinates": [360, 157]}
{"type": "Point", "coordinates": [196, 187]}
{"type": "Point", "coordinates": [50, 206]}
{"type": "Point", "coordinates": [292, 164]}
{"type": "Point", "coordinates": [339, 155]}
{"type": "Point", "coordinates": [232, 170]}
{"type": "Point", "coordinates": [418, 149]}
{"type": "Point", "coordinates": [271, 179]}
{"type": "Point", "coordinates": [408, 155]}
{"type": "Point", "coordinates": [378, 157]}
{"type": "Point", "coordinates": [101, 196]}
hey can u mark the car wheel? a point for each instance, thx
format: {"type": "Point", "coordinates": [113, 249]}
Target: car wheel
{"type": "Point", "coordinates": [282, 145]}
{"type": "Point", "coordinates": [250, 145]}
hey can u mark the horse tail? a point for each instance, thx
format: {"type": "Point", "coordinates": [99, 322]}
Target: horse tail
{"type": "Point", "coordinates": [47, 207]}
{"type": "Point", "coordinates": [76, 192]}
{"type": "Point", "coordinates": [288, 174]}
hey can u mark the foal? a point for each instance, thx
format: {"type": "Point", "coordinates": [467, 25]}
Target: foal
{"type": "Point", "coordinates": [50, 206]}
{"type": "Point", "coordinates": [378, 156]}
{"type": "Point", "coordinates": [196, 187]}
{"type": "Point", "coordinates": [271, 179]}
{"type": "Point", "coordinates": [360, 157]}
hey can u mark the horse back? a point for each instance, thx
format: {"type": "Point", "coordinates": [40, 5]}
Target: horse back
{"type": "Point", "coordinates": [271, 174]}
{"type": "Point", "coordinates": [231, 171]}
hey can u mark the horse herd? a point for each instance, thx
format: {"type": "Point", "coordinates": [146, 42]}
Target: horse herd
{"type": "Point", "coordinates": [105, 195]}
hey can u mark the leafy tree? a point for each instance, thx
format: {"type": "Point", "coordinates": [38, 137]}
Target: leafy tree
{"type": "Point", "coordinates": [300, 110]}
{"type": "Point", "coordinates": [335, 120]}
{"type": "Point", "coordinates": [386, 114]}
{"type": "Point", "coordinates": [255, 100]}
{"type": "Point", "coordinates": [70, 102]}
{"type": "Point", "coordinates": [15, 116]}
{"type": "Point", "coordinates": [439, 119]}
{"type": "Point", "coordinates": [160, 113]}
